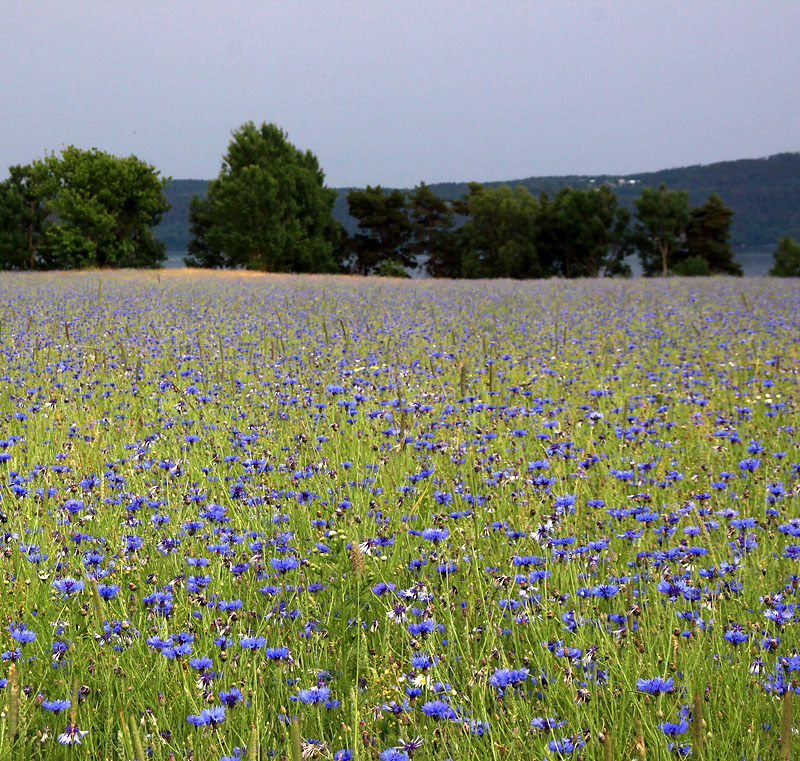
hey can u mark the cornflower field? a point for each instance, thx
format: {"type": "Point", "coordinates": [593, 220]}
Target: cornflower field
{"type": "Point", "coordinates": [250, 517]}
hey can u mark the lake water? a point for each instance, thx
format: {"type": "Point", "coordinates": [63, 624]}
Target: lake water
{"type": "Point", "coordinates": [755, 260]}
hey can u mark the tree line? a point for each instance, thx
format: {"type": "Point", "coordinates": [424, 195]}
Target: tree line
{"type": "Point", "coordinates": [269, 209]}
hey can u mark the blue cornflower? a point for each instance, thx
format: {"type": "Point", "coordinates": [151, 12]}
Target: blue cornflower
{"type": "Point", "coordinates": [231, 697]}
{"type": "Point", "coordinates": [478, 727]}
{"type": "Point", "coordinates": [605, 590]}
{"type": "Point", "coordinates": [68, 585]}
{"type": "Point", "coordinates": [56, 705]}
{"type": "Point", "coordinates": [435, 534]}
{"type": "Point", "coordinates": [393, 754]}
{"type": "Point", "coordinates": [284, 564]}
{"type": "Point", "coordinates": [72, 735]}
{"type": "Point", "coordinates": [671, 728]}
{"type": "Point", "coordinates": [439, 709]}
{"type": "Point", "coordinates": [545, 723]}
{"type": "Point", "coordinates": [211, 716]}
{"type": "Point", "coordinates": [277, 653]}
{"type": "Point", "coordinates": [422, 628]}
{"type": "Point", "coordinates": [735, 636]}
{"type": "Point", "coordinates": [252, 643]}
{"type": "Point", "coordinates": [107, 591]}
{"type": "Point", "coordinates": [396, 708]}
{"type": "Point", "coordinates": [382, 587]}
{"type": "Point", "coordinates": [504, 677]}
{"type": "Point", "coordinates": [420, 661]}
{"type": "Point", "coordinates": [22, 634]}
{"type": "Point", "coordinates": [655, 685]}
{"type": "Point", "coordinates": [749, 463]}
{"type": "Point", "coordinates": [318, 694]}
{"type": "Point", "coordinates": [565, 745]}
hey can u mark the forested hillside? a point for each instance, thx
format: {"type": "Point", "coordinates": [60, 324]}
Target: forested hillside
{"type": "Point", "coordinates": [764, 194]}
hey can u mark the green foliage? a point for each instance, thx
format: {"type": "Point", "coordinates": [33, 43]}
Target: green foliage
{"type": "Point", "coordinates": [385, 229]}
{"type": "Point", "coordinates": [786, 258]}
{"type": "Point", "coordinates": [390, 268]}
{"type": "Point", "coordinates": [708, 237]}
{"type": "Point", "coordinates": [434, 238]}
{"type": "Point", "coordinates": [692, 266]}
{"type": "Point", "coordinates": [156, 413]}
{"type": "Point", "coordinates": [499, 238]}
{"type": "Point", "coordinates": [765, 194]}
{"type": "Point", "coordinates": [200, 253]}
{"type": "Point", "coordinates": [101, 207]}
{"type": "Point", "coordinates": [660, 228]}
{"type": "Point", "coordinates": [21, 220]}
{"type": "Point", "coordinates": [582, 233]}
{"type": "Point", "coordinates": [268, 209]}
{"type": "Point", "coordinates": [81, 209]}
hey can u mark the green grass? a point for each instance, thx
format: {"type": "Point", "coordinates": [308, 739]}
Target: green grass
{"type": "Point", "coordinates": [456, 393]}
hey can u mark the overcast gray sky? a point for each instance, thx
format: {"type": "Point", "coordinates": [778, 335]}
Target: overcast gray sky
{"type": "Point", "coordinates": [396, 92]}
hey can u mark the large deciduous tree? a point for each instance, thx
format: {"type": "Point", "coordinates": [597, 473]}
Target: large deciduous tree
{"type": "Point", "coordinates": [268, 209]}
{"type": "Point", "coordinates": [499, 238]}
{"type": "Point", "coordinates": [660, 228]}
{"type": "Point", "coordinates": [81, 209]}
{"type": "Point", "coordinates": [582, 233]}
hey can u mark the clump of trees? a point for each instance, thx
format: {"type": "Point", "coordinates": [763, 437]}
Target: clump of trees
{"type": "Point", "coordinates": [269, 209]}
{"type": "Point", "coordinates": [78, 209]}
{"type": "Point", "coordinates": [505, 232]}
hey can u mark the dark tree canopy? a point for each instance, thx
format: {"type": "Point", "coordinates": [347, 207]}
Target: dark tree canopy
{"type": "Point", "coordinates": [786, 258]}
{"type": "Point", "coordinates": [582, 233]}
{"type": "Point", "coordinates": [434, 241]}
{"type": "Point", "coordinates": [385, 231]}
{"type": "Point", "coordinates": [268, 209]}
{"type": "Point", "coordinates": [708, 236]}
{"type": "Point", "coordinates": [22, 216]}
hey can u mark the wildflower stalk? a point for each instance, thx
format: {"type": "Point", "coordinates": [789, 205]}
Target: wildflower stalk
{"type": "Point", "coordinates": [99, 607]}
{"type": "Point", "coordinates": [356, 560]}
{"type": "Point", "coordinates": [697, 724]}
{"type": "Point", "coordinates": [125, 734]}
{"type": "Point", "coordinates": [297, 746]}
{"type": "Point", "coordinates": [252, 745]}
{"type": "Point", "coordinates": [13, 701]}
{"type": "Point", "coordinates": [786, 726]}
{"type": "Point", "coordinates": [641, 749]}
{"type": "Point", "coordinates": [121, 747]}
{"type": "Point", "coordinates": [138, 750]}
{"type": "Point", "coordinates": [73, 711]}
{"type": "Point", "coordinates": [608, 746]}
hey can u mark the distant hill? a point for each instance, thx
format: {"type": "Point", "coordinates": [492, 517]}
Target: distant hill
{"type": "Point", "coordinates": [764, 194]}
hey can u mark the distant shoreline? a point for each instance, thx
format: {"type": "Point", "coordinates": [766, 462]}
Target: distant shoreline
{"type": "Point", "coordinates": [756, 261]}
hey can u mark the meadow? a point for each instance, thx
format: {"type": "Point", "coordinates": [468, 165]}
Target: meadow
{"type": "Point", "coordinates": [250, 516]}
